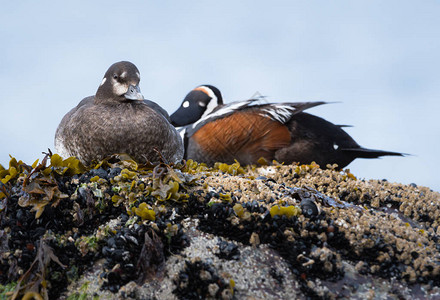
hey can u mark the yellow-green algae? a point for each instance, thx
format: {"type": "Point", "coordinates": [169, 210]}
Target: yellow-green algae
{"type": "Point", "coordinates": [39, 181]}
{"type": "Point", "coordinates": [145, 212]}
{"type": "Point", "coordinates": [144, 190]}
{"type": "Point", "coordinates": [140, 188]}
{"type": "Point", "coordinates": [232, 169]}
{"type": "Point", "coordinates": [288, 211]}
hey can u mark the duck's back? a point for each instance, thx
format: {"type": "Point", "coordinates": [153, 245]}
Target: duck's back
{"type": "Point", "coordinates": [315, 139]}
{"type": "Point", "coordinates": [62, 134]}
{"type": "Point", "coordinates": [93, 131]}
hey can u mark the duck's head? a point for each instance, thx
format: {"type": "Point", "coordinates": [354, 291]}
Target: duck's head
{"type": "Point", "coordinates": [120, 84]}
{"type": "Point", "coordinates": [200, 102]}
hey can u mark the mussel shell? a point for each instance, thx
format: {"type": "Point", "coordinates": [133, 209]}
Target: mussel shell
{"type": "Point", "coordinates": [309, 208]}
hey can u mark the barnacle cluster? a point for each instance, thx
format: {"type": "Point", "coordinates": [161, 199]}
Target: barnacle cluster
{"type": "Point", "coordinates": [60, 220]}
{"type": "Point", "coordinates": [200, 280]}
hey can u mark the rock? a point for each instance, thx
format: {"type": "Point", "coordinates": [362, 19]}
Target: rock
{"type": "Point", "coordinates": [187, 231]}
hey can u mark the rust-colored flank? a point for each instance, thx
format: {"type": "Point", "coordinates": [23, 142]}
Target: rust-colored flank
{"type": "Point", "coordinates": [242, 134]}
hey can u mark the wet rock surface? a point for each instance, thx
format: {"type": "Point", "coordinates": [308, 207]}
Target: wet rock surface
{"type": "Point", "coordinates": [125, 230]}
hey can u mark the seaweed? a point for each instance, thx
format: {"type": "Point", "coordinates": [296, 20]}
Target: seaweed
{"type": "Point", "coordinates": [59, 218]}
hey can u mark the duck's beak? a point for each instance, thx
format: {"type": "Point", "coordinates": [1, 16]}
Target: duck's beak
{"type": "Point", "coordinates": [134, 93]}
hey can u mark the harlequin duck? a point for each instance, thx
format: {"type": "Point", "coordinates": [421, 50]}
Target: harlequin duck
{"type": "Point", "coordinates": [118, 120]}
{"type": "Point", "coordinates": [248, 130]}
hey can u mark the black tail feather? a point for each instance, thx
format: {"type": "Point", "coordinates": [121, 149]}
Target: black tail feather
{"type": "Point", "coordinates": [301, 106]}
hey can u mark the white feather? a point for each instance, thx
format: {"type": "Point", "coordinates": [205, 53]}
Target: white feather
{"type": "Point", "coordinates": [181, 131]}
{"type": "Point", "coordinates": [278, 112]}
{"type": "Point", "coordinates": [212, 104]}
{"type": "Point", "coordinates": [222, 111]}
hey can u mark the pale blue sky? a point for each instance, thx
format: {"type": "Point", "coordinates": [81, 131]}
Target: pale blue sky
{"type": "Point", "coordinates": [379, 59]}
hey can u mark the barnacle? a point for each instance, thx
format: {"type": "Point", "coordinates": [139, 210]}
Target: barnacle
{"type": "Point", "coordinates": [122, 197]}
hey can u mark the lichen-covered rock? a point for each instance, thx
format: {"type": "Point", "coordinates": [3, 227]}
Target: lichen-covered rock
{"type": "Point", "coordinates": [120, 229]}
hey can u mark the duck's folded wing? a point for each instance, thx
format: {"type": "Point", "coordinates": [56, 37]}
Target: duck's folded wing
{"type": "Point", "coordinates": [245, 136]}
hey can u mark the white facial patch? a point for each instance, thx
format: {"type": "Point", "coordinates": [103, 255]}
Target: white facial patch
{"type": "Point", "coordinates": [138, 75]}
{"type": "Point", "coordinates": [185, 104]}
{"type": "Point", "coordinates": [123, 74]}
{"type": "Point", "coordinates": [119, 89]}
{"type": "Point", "coordinates": [103, 81]}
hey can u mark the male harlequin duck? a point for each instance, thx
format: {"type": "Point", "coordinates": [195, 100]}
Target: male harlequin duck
{"type": "Point", "coordinates": [118, 120]}
{"type": "Point", "coordinates": [248, 130]}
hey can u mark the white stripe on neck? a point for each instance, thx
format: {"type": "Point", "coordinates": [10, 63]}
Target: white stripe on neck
{"type": "Point", "coordinates": [212, 104]}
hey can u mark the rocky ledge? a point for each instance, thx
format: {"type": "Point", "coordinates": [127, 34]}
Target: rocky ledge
{"type": "Point", "coordinates": [119, 229]}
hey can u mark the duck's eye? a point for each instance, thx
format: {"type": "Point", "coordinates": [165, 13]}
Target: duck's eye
{"type": "Point", "coordinates": [115, 76]}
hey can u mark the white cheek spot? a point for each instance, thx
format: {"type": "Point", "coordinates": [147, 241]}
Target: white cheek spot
{"type": "Point", "coordinates": [103, 80]}
{"type": "Point", "coordinates": [202, 104]}
{"type": "Point", "coordinates": [185, 104]}
{"type": "Point", "coordinates": [138, 75]}
{"type": "Point", "coordinates": [123, 74]}
{"type": "Point", "coordinates": [335, 146]}
{"type": "Point", "coordinates": [119, 89]}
